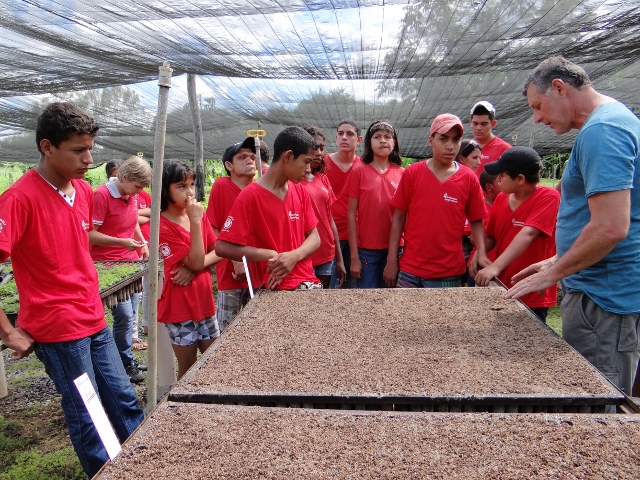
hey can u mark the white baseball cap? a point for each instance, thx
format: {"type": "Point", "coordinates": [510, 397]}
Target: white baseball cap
{"type": "Point", "coordinates": [490, 108]}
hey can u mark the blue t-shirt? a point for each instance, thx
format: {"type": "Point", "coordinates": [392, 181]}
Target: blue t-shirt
{"type": "Point", "coordinates": [605, 158]}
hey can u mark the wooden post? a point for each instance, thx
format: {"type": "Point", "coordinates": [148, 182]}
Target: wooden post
{"type": "Point", "coordinates": [164, 82]}
{"type": "Point", "coordinates": [198, 156]}
{"type": "Point", "coordinates": [4, 391]}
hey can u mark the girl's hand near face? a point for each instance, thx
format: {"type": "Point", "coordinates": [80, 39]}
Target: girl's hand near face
{"type": "Point", "coordinates": [194, 210]}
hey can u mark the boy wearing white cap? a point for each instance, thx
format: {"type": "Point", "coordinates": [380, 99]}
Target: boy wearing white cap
{"type": "Point", "coordinates": [483, 121]}
{"type": "Point", "coordinates": [431, 203]}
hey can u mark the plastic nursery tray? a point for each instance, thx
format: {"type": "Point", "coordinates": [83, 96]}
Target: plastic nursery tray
{"type": "Point", "coordinates": [449, 350]}
{"type": "Point", "coordinates": [177, 440]}
{"type": "Point", "coordinates": [122, 290]}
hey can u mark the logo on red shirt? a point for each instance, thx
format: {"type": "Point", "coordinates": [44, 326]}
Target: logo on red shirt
{"type": "Point", "coordinates": [2, 224]}
{"type": "Point", "coordinates": [293, 216]}
{"type": "Point", "coordinates": [165, 250]}
{"type": "Point", "coordinates": [517, 223]}
{"type": "Point", "coordinates": [447, 198]}
{"type": "Point", "coordinates": [85, 226]}
{"type": "Point", "coordinates": [227, 223]}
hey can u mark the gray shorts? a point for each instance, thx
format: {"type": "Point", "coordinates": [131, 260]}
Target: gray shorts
{"type": "Point", "coordinates": [187, 333]}
{"type": "Point", "coordinates": [608, 340]}
{"type": "Point", "coordinates": [230, 302]}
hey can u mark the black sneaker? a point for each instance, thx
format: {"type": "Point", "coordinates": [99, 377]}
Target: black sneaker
{"type": "Point", "coordinates": [135, 376]}
{"type": "Point", "coordinates": [141, 366]}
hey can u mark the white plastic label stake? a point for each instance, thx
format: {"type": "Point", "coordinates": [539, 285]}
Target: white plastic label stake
{"type": "Point", "coordinates": [98, 415]}
{"type": "Point", "coordinates": [246, 272]}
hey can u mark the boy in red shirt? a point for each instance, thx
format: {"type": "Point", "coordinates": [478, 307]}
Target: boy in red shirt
{"type": "Point", "coordinates": [239, 161]}
{"type": "Point", "coordinates": [339, 167]}
{"type": "Point", "coordinates": [45, 217]}
{"type": "Point", "coordinates": [327, 260]}
{"type": "Point", "coordinates": [272, 219]}
{"type": "Point", "coordinates": [483, 121]}
{"type": "Point", "coordinates": [432, 201]}
{"type": "Point", "coordinates": [521, 229]}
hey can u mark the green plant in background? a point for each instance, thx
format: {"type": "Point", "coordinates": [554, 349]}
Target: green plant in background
{"type": "Point", "coordinates": [12, 171]}
{"type": "Point", "coordinates": [107, 276]}
{"type": "Point", "coordinates": [406, 161]}
{"type": "Point", "coordinates": [96, 176]}
{"type": "Point", "coordinates": [112, 274]}
{"type": "Point", "coordinates": [213, 168]}
{"type": "Point", "coordinates": [553, 165]}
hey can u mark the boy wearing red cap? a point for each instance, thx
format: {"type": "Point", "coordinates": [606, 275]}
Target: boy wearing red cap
{"type": "Point", "coordinates": [522, 225]}
{"type": "Point", "coordinates": [483, 121]}
{"type": "Point", "coordinates": [432, 201]}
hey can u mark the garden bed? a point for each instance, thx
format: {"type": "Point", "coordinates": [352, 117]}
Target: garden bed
{"type": "Point", "coordinates": [181, 440]}
{"type": "Point", "coordinates": [464, 349]}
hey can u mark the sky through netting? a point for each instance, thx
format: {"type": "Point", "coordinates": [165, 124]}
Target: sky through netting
{"type": "Point", "coordinates": [300, 62]}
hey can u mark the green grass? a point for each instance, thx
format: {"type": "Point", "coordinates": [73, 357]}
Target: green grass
{"type": "Point", "coordinates": [554, 320]}
{"type": "Point", "coordinates": [21, 373]}
{"type": "Point", "coordinates": [24, 456]}
{"type": "Point", "coordinates": [549, 182]}
{"type": "Point", "coordinates": [33, 465]}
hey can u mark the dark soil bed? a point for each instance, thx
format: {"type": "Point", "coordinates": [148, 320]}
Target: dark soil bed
{"type": "Point", "coordinates": [181, 441]}
{"type": "Point", "coordinates": [418, 342]}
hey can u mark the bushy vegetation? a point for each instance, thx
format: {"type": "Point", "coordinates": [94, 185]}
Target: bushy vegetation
{"type": "Point", "coordinates": [553, 165]}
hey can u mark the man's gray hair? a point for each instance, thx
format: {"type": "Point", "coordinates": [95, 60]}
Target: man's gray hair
{"type": "Point", "coordinates": [556, 67]}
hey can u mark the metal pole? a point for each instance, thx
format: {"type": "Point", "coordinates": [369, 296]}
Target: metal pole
{"type": "Point", "coordinates": [164, 81]}
{"type": "Point", "coordinates": [257, 135]}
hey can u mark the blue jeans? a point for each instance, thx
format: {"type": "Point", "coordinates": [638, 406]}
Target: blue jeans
{"type": "Point", "coordinates": [373, 263]}
{"type": "Point", "coordinates": [96, 356]}
{"type": "Point", "coordinates": [349, 282]}
{"type": "Point", "coordinates": [123, 314]}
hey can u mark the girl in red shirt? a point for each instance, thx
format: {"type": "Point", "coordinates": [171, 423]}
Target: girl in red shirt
{"type": "Point", "coordinates": [370, 188]}
{"type": "Point", "coordinates": [327, 260]}
{"type": "Point", "coordinates": [469, 155]}
{"type": "Point", "coordinates": [187, 241]}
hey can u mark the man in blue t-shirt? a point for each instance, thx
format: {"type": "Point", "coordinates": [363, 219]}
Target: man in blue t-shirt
{"type": "Point", "coordinates": [598, 230]}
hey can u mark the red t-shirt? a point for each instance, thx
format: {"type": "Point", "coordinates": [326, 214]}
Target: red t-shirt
{"type": "Point", "coordinates": [116, 217]}
{"type": "Point", "coordinates": [49, 247]}
{"type": "Point", "coordinates": [260, 219]}
{"type": "Point", "coordinates": [374, 192]}
{"type": "Point", "coordinates": [338, 179]}
{"type": "Point", "coordinates": [435, 219]}
{"type": "Point", "coordinates": [322, 198]}
{"type": "Point", "coordinates": [539, 210]}
{"type": "Point", "coordinates": [485, 220]}
{"type": "Point", "coordinates": [491, 152]}
{"type": "Point", "coordinates": [144, 201]}
{"type": "Point", "coordinates": [194, 301]}
{"type": "Point", "coordinates": [223, 193]}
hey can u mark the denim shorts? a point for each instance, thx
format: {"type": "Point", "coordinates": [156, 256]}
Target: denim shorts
{"type": "Point", "coordinates": [325, 269]}
{"type": "Point", "coordinates": [187, 333]}
{"type": "Point", "coordinates": [407, 280]}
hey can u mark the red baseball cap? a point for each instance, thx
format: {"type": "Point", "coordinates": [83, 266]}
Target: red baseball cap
{"type": "Point", "coordinates": [445, 122]}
